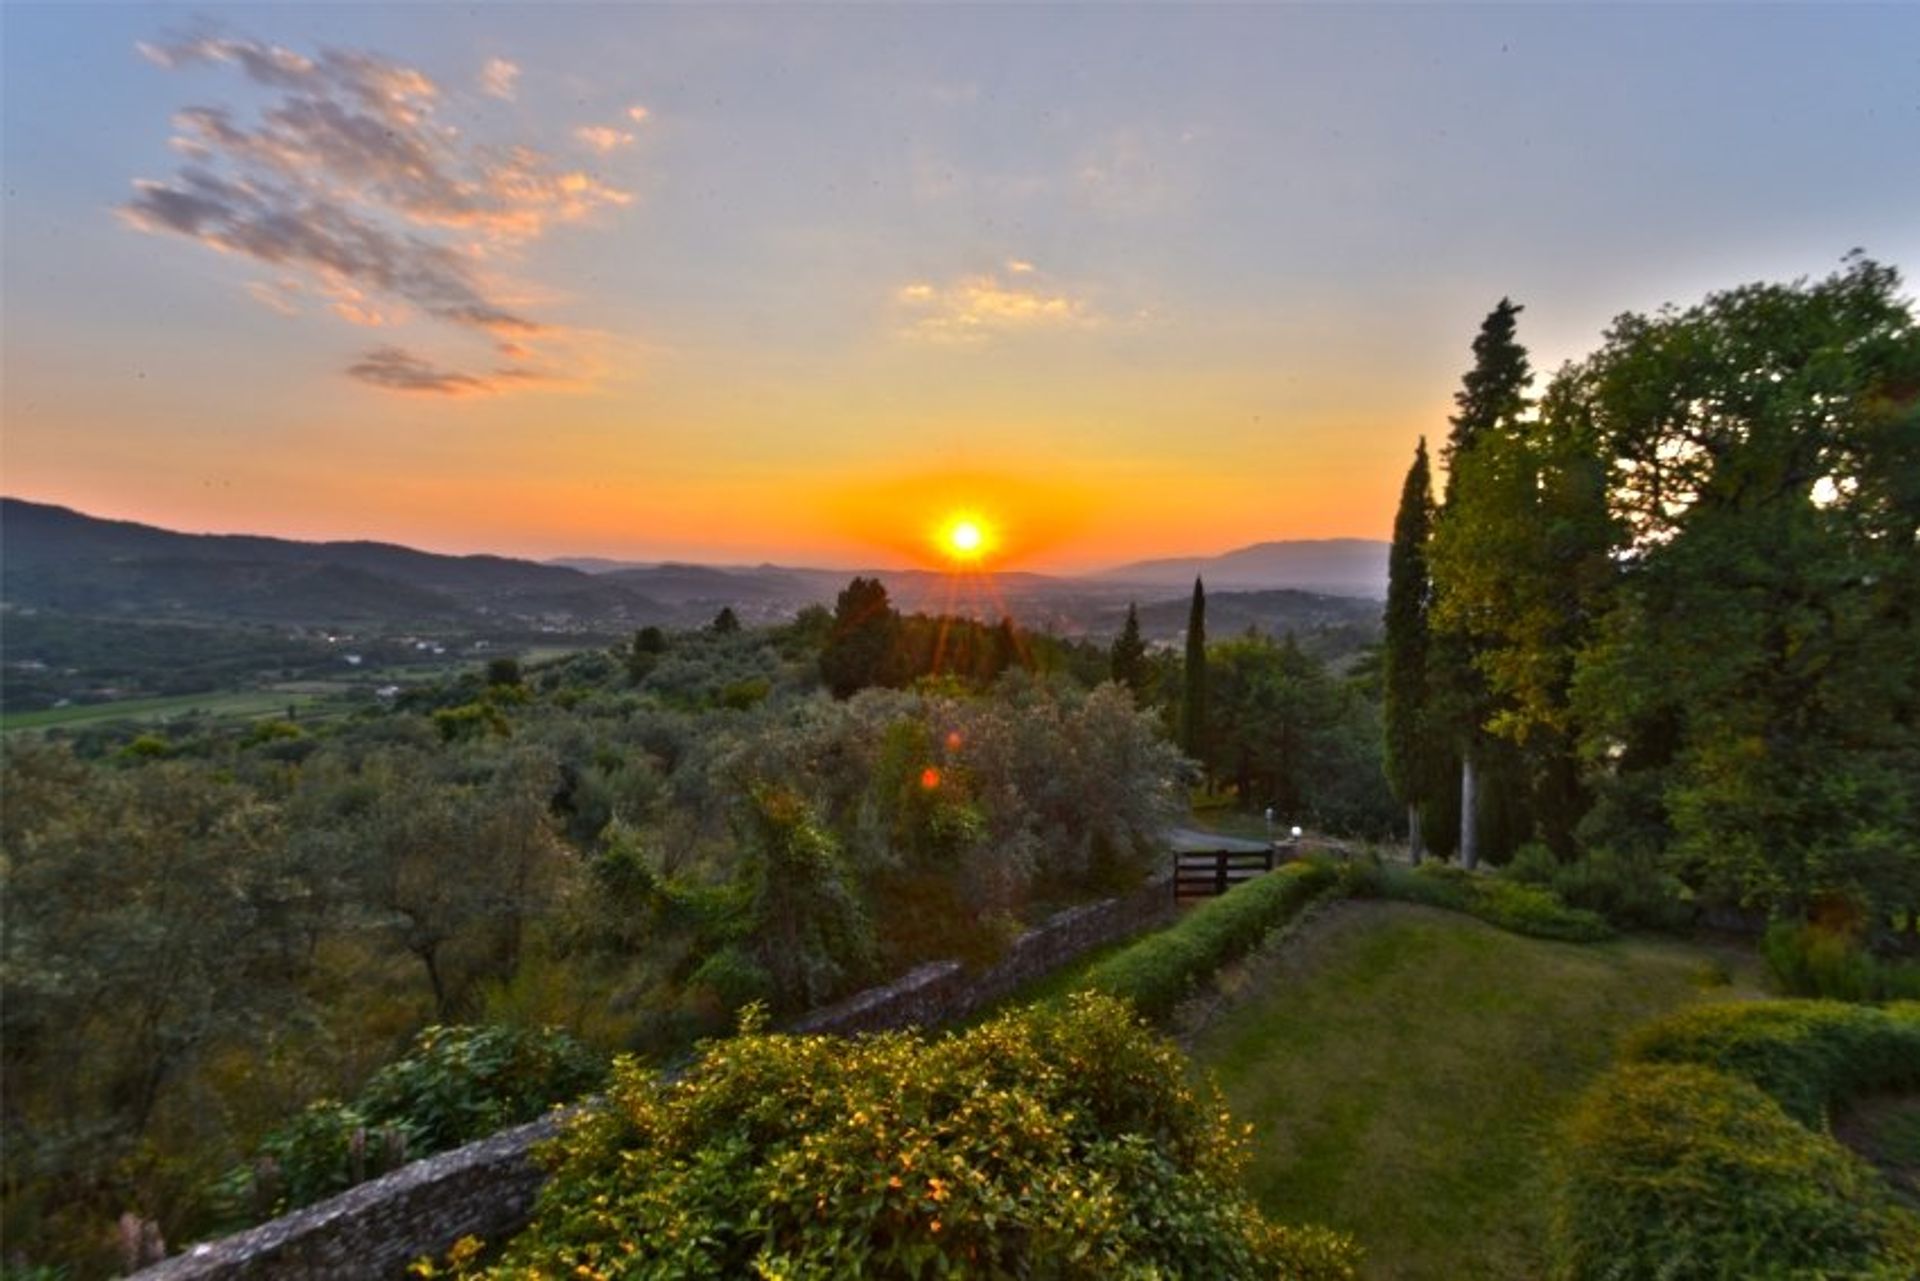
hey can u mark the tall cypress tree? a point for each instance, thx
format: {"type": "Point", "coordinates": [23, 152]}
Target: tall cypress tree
{"type": "Point", "coordinates": [1492, 400]}
{"type": "Point", "coordinates": [1493, 394]}
{"type": "Point", "coordinates": [1127, 661]}
{"type": "Point", "coordinates": [1409, 745]}
{"type": "Point", "coordinates": [1193, 710]}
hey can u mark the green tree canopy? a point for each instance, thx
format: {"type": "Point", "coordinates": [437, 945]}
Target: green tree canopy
{"type": "Point", "coordinates": [1751, 699]}
{"type": "Point", "coordinates": [862, 639]}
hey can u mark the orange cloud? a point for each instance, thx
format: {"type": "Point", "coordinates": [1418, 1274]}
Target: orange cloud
{"type": "Point", "coordinates": [603, 138]}
{"type": "Point", "coordinates": [499, 78]}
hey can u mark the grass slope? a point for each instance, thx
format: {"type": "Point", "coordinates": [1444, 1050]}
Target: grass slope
{"type": "Point", "coordinates": [1403, 1069]}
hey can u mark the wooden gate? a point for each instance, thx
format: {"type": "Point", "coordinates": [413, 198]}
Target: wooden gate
{"type": "Point", "coordinates": [1205, 874]}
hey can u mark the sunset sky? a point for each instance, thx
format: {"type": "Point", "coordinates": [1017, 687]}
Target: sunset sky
{"type": "Point", "coordinates": [799, 284]}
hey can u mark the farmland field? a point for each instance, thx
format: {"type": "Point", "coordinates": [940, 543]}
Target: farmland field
{"type": "Point", "coordinates": [233, 704]}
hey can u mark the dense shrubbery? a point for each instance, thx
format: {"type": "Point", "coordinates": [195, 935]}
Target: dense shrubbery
{"type": "Point", "coordinates": [455, 1084]}
{"type": "Point", "coordinates": [1708, 1155]}
{"type": "Point", "coordinates": [461, 1083]}
{"type": "Point", "coordinates": [1679, 1171]}
{"type": "Point", "coordinates": [1159, 971]}
{"type": "Point", "coordinates": [1060, 1142]}
{"type": "Point", "coordinates": [1511, 905]}
{"type": "Point", "coordinates": [1806, 1054]}
{"type": "Point", "coordinates": [1631, 892]}
{"type": "Point", "coordinates": [1818, 960]}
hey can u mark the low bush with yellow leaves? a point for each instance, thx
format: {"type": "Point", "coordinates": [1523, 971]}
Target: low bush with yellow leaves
{"type": "Point", "coordinates": [1060, 1141]}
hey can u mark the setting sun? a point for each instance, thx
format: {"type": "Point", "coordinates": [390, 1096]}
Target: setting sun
{"type": "Point", "coordinates": [965, 538]}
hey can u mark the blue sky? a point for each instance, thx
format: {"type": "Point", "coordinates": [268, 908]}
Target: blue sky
{"type": "Point", "coordinates": [1126, 280]}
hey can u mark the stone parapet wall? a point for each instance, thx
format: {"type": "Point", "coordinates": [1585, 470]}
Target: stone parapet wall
{"type": "Point", "coordinates": [944, 991]}
{"type": "Point", "coordinates": [487, 1189]}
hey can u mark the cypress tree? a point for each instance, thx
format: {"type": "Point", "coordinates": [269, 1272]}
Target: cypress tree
{"type": "Point", "coordinates": [1493, 394]}
{"type": "Point", "coordinates": [1409, 750]}
{"type": "Point", "coordinates": [1492, 399]}
{"type": "Point", "coordinates": [1128, 660]}
{"type": "Point", "coordinates": [1193, 711]}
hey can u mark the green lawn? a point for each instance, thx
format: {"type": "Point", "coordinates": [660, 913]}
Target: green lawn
{"type": "Point", "coordinates": [1403, 1069]}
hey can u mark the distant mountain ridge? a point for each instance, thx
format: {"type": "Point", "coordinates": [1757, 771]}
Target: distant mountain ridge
{"type": "Point", "coordinates": [1341, 566]}
{"type": "Point", "coordinates": [55, 558]}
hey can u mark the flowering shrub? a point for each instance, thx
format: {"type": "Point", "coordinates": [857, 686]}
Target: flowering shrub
{"type": "Point", "coordinates": [1060, 1142]}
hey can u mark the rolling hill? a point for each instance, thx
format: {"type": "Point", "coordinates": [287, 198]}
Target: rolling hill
{"type": "Point", "coordinates": [56, 558]}
{"type": "Point", "coordinates": [62, 560]}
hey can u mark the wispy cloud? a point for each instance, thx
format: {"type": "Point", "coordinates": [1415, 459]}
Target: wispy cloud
{"type": "Point", "coordinates": [603, 138]}
{"type": "Point", "coordinates": [499, 79]}
{"type": "Point", "coordinates": [397, 369]}
{"type": "Point", "coordinates": [276, 295]}
{"type": "Point", "coordinates": [638, 114]}
{"type": "Point", "coordinates": [349, 182]}
{"type": "Point", "coordinates": [975, 308]}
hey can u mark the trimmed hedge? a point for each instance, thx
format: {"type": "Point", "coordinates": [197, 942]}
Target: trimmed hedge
{"type": "Point", "coordinates": [1054, 1141]}
{"type": "Point", "coordinates": [1679, 1171]}
{"type": "Point", "coordinates": [1159, 971]}
{"type": "Point", "coordinates": [1706, 1154]}
{"type": "Point", "coordinates": [1511, 905]}
{"type": "Point", "coordinates": [1807, 1054]}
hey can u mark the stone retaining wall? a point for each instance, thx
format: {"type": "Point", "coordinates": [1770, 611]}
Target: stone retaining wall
{"type": "Point", "coordinates": [487, 1189]}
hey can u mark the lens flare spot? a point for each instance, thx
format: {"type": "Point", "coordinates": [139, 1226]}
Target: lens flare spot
{"type": "Point", "coordinates": [930, 778]}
